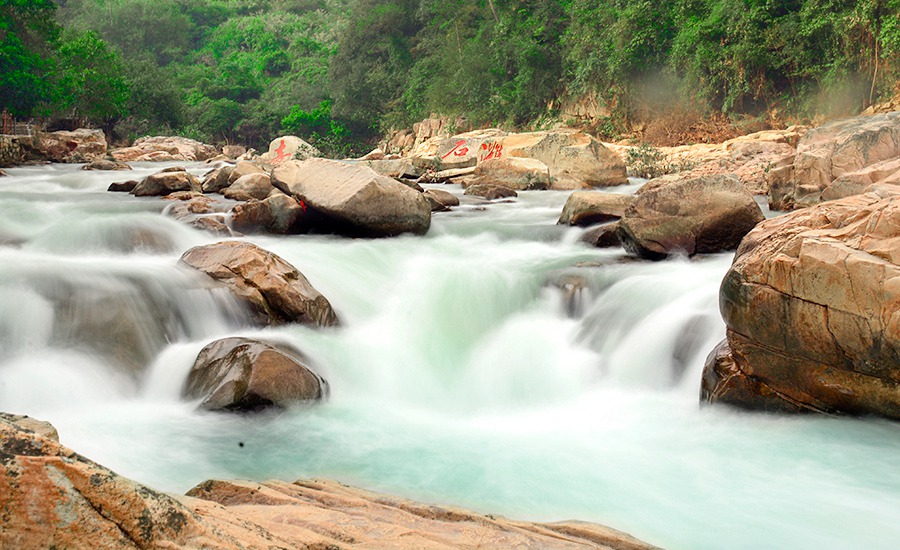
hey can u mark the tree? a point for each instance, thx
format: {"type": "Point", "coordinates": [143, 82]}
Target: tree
{"type": "Point", "coordinates": [27, 36]}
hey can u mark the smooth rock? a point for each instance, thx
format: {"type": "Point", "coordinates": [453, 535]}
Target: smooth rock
{"type": "Point", "coordinates": [273, 289]}
{"type": "Point", "coordinates": [287, 148]}
{"type": "Point", "coordinates": [688, 216]}
{"type": "Point", "coordinates": [233, 151]}
{"type": "Point", "coordinates": [278, 214]}
{"type": "Point", "coordinates": [122, 186]}
{"type": "Point", "coordinates": [592, 207]}
{"type": "Point", "coordinates": [441, 200]}
{"type": "Point", "coordinates": [216, 180]}
{"type": "Point", "coordinates": [164, 149]}
{"type": "Point", "coordinates": [354, 199]}
{"type": "Point", "coordinates": [104, 164]}
{"type": "Point", "coordinates": [241, 374]}
{"type": "Point", "coordinates": [602, 236]}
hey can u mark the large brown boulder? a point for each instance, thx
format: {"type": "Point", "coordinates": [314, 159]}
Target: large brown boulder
{"type": "Point", "coordinates": [831, 152]}
{"type": "Point", "coordinates": [80, 145]}
{"type": "Point", "coordinates": [575, 159]}
{"type": "Point", "coordinates": [812, 307]}
{"type": "Point", "coordinates": [592, 207]}
{"type": "Point", "coordinates": [240, 374]}
{"type": "Point", "coordinates": [52, 497]}
{"type": "Point", "coordinates": [251, 186]}
{"type": "Point", "coordinates": [164, 148]}
{"type": "Point", "coordinates": [271, 288]}
{"type": "Point", "coordinates": [166, 182]}
{"type": "Point", "coordinates": [354, 199]}
{"type": "Point", "coordinates": [278, 214]}
{"type": "Point", "coordinates": [689, 216]}
{"type": "Point", "coordinates": [513, 172]}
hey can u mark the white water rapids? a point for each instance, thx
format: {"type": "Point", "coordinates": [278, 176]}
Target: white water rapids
{"type": "Point", "coordinates": [460, 375]}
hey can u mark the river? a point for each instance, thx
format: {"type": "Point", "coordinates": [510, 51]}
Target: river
{"type": "Point", "coordinates": [463, 373]}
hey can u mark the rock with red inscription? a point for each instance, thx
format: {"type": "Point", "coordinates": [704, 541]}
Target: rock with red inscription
{"type": "Point", "coordinates": [287, 148]}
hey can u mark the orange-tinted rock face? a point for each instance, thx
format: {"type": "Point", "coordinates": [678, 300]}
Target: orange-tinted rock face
{"type": "Point", "coordinates": [812, 304]}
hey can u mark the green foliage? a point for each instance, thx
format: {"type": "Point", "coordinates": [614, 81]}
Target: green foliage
{"type": "Point", "coordinates": [646, 161]}
{"type": "Point", "coordinates": [90, 83]}
{"type": "Point", "coordinates": [28, 34]}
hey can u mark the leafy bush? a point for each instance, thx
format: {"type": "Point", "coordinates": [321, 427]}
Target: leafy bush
{"type": "Point", "coordinates": [646, 161]}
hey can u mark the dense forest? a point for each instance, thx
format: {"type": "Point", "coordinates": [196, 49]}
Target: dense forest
{"type": "Point", "coordinates": [339, 72]}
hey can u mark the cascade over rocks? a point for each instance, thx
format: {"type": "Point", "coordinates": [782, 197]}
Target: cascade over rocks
{"type": "Point", "coordinates": [812, 307]}
{"type": "Point", "coordinates": [700, 215]}
{"type": "Point", "coordinates": [585, 208]}
{"type": "Point", "coordinates": [52, 497]}
{"type": "Point", "coordinates": [163, 149]}
{"type": "Point", "coordinates": [354, 199]}
{"type": "Point", "coordinates": [272, 289]}
{"type": "Point", "coordinates": [834, 155]}
{"type": "Point", "coordinates": [240, 374]}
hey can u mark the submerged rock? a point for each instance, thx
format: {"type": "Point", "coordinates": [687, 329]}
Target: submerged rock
{"type": "Point", "coordinates": [105, 164]}
{"type": "Point", "coordinates": [441, 200]}
{"type": "Point", "coordinates": [490, 192]}
{"type": "Point", "coordinates": [353, 199]}
{"type": "Point", "coordinates": [271, 288]}
{"type": "Point", "coordinates": [689, 216]}
{"type": "Point", "coordinates": [240, 374]}
{"type": "Point", "coordinates": [813, 313]}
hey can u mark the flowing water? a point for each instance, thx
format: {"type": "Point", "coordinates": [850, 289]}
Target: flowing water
{"type": "Point", "coordinates": [495, 363]}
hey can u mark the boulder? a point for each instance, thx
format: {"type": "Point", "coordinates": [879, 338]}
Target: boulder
{"type": "Point", "coordinates": [812, 310]}
{"type": "Point", "coordinates": [244, 168]}
{"type": "Point", "coordinates": [105, 164]}
{"type": "Point", "coordinates": [286, 148]}
{"type": "Point", "coordinates": [354, 199]}
{"type": "Point", "coordinates": [166, 182]}
{"type": "Point", "coordinates": [217, 179]}
{"type": "Point", "coordinates": [490, 192]}
{"type": "Point", "coordinates": [273, 290]}
{"type": "Point", "coordinates": [251, 186]}
{"type": "Point", "coordinates": [122, 186]}
{"type": "Point", "coordinates": [831, 151]}
{"type": "Point", "coordinates": [278, 214]}
{"type": "Point", "coordinates": [374, 154]}
{"type": "Point", "coordinates": [240, 374]}
{"type": "Point", "coordinates": [592, 207]}
{"type": "Point", "coordinates": [233, 151]}
{"type": "Point", "coordinates": [80, 145]}
{"type": "Point", "coordinates": [394, 168]}
{"type": "Point", "coordinates": [513, 172]}
{"type": "Point", "coordinates": [163, 149]}
{"type": "Point", "coordinates": [688, 215]}
{"type": "Point", "coordinates": [441, 200]}
{"type": "Point", "coordinates": [462, 150]}
{"type": "Point", "coordinates": [52, 497]}
{"type": "Point", "coordinates": [574, 158]}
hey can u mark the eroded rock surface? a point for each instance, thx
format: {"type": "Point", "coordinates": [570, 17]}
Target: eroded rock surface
{"type": "Point", "coordinates": [585, 208]}
{"type": "Point", "coordinates": [812, 306]}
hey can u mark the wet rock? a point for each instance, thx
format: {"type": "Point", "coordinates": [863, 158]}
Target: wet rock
{"type": "Point", "coordinates": [441, 200]}
{"type": "Point", "coordinates": [490, 192]}
{"type": "Point", "coordinates": [272, 288]}
{"type": "Point", "coordinates": [166, 182]}
{"type": "Point", "coordinates": [122, 186]}
{"type": "Point", "coordinates": [240, 374]}
{"type": "Point", "coordinates": [811, 307]}
{"type": "Point", "coordinates": [603, 236]}
{"type": "Point", "coordinates": [252, 186]}
{"type": "Point", "coordinates": [105, 164]}
{"type": "Point", "coordinates": [353, 199]}
{"type": "Point", "coordinates": [592, 207]}
{"type": "Point", "coordinates": [689, 216]}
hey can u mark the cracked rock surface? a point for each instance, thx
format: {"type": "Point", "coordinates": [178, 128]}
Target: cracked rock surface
{"type": "Point", "coordinates": [812, 306]}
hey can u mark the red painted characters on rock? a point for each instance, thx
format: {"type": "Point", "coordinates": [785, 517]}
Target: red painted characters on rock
{"type": "Point", "coordinates": [280, 155]}
{"type": "Point", "coordinates": [490, 150]}
{"type": "Point", "coordinates": [459, 150]}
